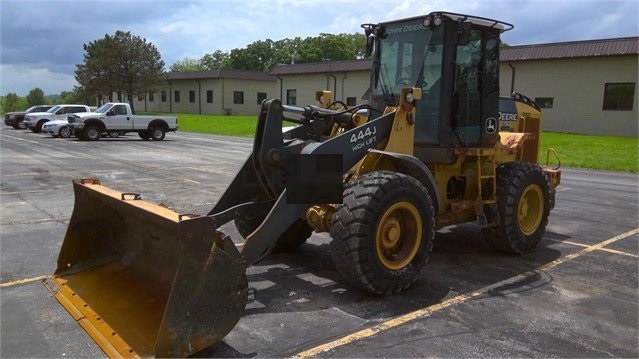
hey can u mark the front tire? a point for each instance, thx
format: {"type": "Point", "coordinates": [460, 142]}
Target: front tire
{"type": "Point", "coordinates": [91, 133]}
{"type": "Point", "coordinates": [64, 132]}
{"type": "Point", "coordinates": [383, 232]}
{"type": "Point", "coordinates": [524, 205]}
{"type": "Point", "coordinates": [289, 241]}
{"type": "Point", "coordinates": [20, 125]}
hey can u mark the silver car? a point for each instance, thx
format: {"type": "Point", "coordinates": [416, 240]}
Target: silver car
{"type": "Point", "coordinates": [57, 128]}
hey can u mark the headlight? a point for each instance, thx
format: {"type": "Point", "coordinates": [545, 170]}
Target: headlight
{"type": "Point", "coordinates": [409, 97]}
{"type": "Point", "coordinates": [11, 117]}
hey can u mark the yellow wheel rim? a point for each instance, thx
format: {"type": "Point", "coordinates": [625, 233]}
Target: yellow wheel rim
{"type": "Point", "coordinates": [399, 235]}
{"type": "Point", "coordinates": [530, 209]}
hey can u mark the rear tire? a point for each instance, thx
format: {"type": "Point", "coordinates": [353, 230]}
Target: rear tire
{"type": "Point", "coordinates": [383, 232]}
{"type": "Point", "coordinates": [524, 205]}
{"type": "Point", "coordinates": [145, 135]}
{"type": "Point", "coordinates": [157, 133]}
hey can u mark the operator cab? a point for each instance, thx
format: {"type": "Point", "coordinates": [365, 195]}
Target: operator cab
{"type": "Point", "coordinates": [454, 59]}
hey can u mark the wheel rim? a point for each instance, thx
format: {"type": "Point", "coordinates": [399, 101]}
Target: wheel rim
{"type": "Point", "coordinates": [65, 132]}
{"type": "Point", "coordinates": [93, 133]}
{"type": "Point", "coordinates": [157, 133]}
{"type": "Point", "coordinates": [399, 235]}
{"type": "Point", "coordinates": [22, 125]}
{"type": "Point", "coordinates": [530, 209]}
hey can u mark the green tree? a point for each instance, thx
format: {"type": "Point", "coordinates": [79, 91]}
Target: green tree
{"type": "Point", "coordinates": [257, 56]}
{"type": "Point", "coordinates": [10, 102]}
{"type": "Point", "coordinates": [217, 60]}
{"type": "Point", "coordinates": [122, 63]}
{"type": "Point", "coordinates": [36, 97]}
{"type": "Point", "coordinates": [77, 96]}
{"type": "Point", "coordinates": [187, 64]}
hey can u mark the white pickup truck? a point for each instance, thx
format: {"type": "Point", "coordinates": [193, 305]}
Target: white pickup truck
{"type": "Point", "coordinates": [117, 119]}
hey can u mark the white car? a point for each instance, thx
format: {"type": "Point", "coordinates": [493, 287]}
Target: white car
{"type": "Point", "coordinates": [57, 128]}
{"type": "Point", "coordinates": [35, 120]}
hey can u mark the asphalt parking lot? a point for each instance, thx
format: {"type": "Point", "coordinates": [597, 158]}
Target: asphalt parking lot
{"type": "Point", "coordinates": [575, 295]}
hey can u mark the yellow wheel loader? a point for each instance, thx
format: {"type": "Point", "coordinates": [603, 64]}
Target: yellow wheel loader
{"type": "Point", "coordinates": [431, 149]}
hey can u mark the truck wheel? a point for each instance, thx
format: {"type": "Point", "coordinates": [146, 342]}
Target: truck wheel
{"type": "Point", "coordinates": [92, 133]}
{"type": "Point", "coordinates": [383, 232]}
{"type": "Point", "coordinates": [64, 132]}
{"type": "Point", "coordinates": [38, 127]}
{"type": "Point", "coordinates": [524, 204]}
{"type": "Point", "coordinates": [20, 125]}
{"type": "Point", "coordinates": [144, 135]}
{"type": "Point", "coordinates": [293, 237]}
{"type": "Point", "coordinates": [157, 133]}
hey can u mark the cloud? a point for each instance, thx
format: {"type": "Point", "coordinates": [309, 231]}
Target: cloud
{"type": "Point", "coordinates": [47, 37]}
{"type": "Point", "coordinates": [21, 79]}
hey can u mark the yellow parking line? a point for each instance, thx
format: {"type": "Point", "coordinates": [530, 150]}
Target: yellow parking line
{"type": "Point", "coordinates": [22, 281]}
{"type": "Point", "coordinates": [403, 319]}
{"type": "Point", "coordinates": [614, 251]}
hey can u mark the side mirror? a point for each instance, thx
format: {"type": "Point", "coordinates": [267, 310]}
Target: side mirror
{"type": "Point", "coordinates": [369, 45]}
{"type": "Point", "coordinates": [59, 112]}
{"type": "Point", "coordinates": [110, 113]}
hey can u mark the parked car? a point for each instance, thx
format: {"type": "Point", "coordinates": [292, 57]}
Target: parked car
{"type": "Point", "coordinates": [15, 119]}
{"type": "Point", "coordinates": [57, 128]}
{"type": "Point", "coordinates": [35, 120]}
{"type": "Point", "coordinates": [115, 119]}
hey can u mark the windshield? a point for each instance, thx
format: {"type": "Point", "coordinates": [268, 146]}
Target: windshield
{"type": "Point", "coordinates": [409, 56]}
{"type": "Point", "coordinates": [54, 109]}
{"type": "Point", "coordinates": [104, 108]}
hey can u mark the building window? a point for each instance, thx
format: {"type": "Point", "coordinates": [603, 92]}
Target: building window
{"type": "Point", "coordinates": [544, 102]}
{"type": "Point", "coordinates": [351, 101]}
{"type": "Point", "coordinates": [619, 96]}
{"type": "Point", "coordinates": [238, 97]}
{"type": "Point", "coordinates": [209, 96]}
{"type": "Point", "coordinates": [151, 96]}
{"type": "Point", "coordinates": [291, 97]}
{"type": "Point", "coordinates": [163, 96]}
{"type": "Point", "coordinates": [261, 96]}
{"type": "Point", "coordinates": [191, 96]}
{"type": "Point", "coordinates": [177, 96]}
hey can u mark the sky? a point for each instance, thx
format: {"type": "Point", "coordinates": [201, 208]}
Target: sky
{"type": "Point", "coordinates": [41, 41]}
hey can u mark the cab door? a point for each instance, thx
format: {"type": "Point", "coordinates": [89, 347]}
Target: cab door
{"type": "Point", "coordinates": [118, 118]}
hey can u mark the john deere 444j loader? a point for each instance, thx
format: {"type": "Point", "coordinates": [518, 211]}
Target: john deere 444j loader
{"type": "Point", "coordinates": [428, 151]}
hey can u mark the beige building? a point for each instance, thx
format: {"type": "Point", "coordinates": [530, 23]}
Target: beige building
{"type": "Point", "coordinates": [586, 87]}
{"type": "Point", "coordinates": [347, 80]}
{"type": "Point", "coordinates": [219, 92]}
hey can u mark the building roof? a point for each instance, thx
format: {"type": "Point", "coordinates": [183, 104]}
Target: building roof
{"type": "Point", "coordinates": [560, 50]}
{"type": "Point", "coordinates": [322, 67]}
{"type": "Point", "coordinates": [221, 73]}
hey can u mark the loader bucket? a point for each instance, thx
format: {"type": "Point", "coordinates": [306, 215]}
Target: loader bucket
{"type": "Point", "coordinates": [141, 280]}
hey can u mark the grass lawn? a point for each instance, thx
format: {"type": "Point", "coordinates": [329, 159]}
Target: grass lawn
{"type": "Point", "coordinates": [597, 152]}
{"type": "Point", "coordinates": [584, 151]}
